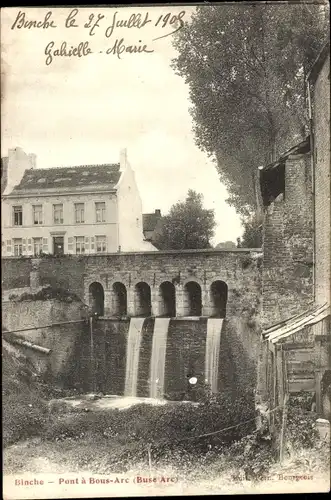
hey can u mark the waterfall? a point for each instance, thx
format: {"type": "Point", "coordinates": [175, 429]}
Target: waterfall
{"type": "Point", "coordinates": [157, 368]}
{"type": "Point", "coordinates": [213, 340]}
{"type": "Point", "coordinates": [132, 356]}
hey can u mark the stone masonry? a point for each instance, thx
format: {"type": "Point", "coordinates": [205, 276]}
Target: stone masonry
{"type": "Point", "coordinates": [287, 283]}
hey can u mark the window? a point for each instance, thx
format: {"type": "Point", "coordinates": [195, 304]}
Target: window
{"type": "Point", "coordinates": [37, 214]}
{"type": "Point", "coordinates": [101, 244]}
{"type": "Point", "coordinates": [79, 213]}
{"type": "Point", "coordinates": [100, 211]}
{"type": "Point", "coordinates": [18, 216]}
{"type": "Point", "coordinates": [58, 213]}
{"type": "Point", "coordinates": [37, 246]}
{"type": "Point", "coordinates": [18, 247]}
{"type": "Point", "coordinates": [80, 244]}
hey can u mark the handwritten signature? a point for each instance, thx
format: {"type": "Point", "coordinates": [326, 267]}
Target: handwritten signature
{"type": "Point", "coordinates": [75, 20]}
{"type": "Point", "coordinates": [83, 49]}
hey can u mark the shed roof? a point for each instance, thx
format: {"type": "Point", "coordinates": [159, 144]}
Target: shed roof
{"type": "Point", "coordinates": [288, 327]}
{"type": "Point", "coordinates": [272, 176]}
{"type": "Point", "coordinates": [106, 175]}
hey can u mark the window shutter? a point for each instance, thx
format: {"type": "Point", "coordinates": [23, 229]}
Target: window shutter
{"type": "Point", "coordinates": [24, 245]}
{"type": "Point", "coordinates": [86, 242]}
{"type": "Point", "coordinates": [45, 245]}
{"type": "Point", "coordinates": [70, 244]}
{"type": "Point", "coordinates": [29, 245]}
{"type": "Point", "coordinates": [92, 242]}
{"type": "Point", "coordinates": [8, 246]}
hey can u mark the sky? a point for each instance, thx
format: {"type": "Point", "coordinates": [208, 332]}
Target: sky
{"type": "Point", "coordinates": [83, 110]}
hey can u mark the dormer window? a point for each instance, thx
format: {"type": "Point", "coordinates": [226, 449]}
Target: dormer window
{"type": "Point", "coordinates": [18, 216]}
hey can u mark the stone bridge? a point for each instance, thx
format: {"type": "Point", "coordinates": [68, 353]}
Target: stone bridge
{"type": "Point", "coordinates": [171, 283]}
{"type": "Point", "coordinates": [165, 283]}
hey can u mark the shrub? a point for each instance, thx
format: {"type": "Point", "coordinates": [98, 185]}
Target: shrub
{"type": "Point", "coordinates": [301, 431]}
{"type": "Point", "coordinates": [24, 415]}
{"type": "Point", "coordinates": [49, 293]}
{"type": "Point", "coordinates": [164, 427]}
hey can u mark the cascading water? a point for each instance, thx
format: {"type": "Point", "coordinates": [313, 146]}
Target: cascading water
{"type": "Point", "coordinates": [214, 329]}
{"type": "Point", "coordinates": [159, 347]}
{"type": "Point", "coordinates": [132, 356]}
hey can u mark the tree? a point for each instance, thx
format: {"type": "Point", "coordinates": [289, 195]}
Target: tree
{"type": "Point", "coordinates": [246, 66]}
{"type": "Point", "coordinates": [188, 225]}
{"type": "Point", "coordinates": [252, 237]}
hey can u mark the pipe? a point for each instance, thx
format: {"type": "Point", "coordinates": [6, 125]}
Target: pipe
{"type": "Point", "coordinates": [46, 326]}
{"type": "Point", "coordinates": [26, 343]}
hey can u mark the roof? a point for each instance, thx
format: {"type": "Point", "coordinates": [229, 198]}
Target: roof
{"type": "Point", "coordinates": [318, 63]}
{"type": "Point", "coordinates": [286, 328]}
{"type": "Point", "coordinates": [150, 221]}
{"type": "Point", "coordinates": [300, 148]}
{"type": "Point", "coordinates": [106, 175]}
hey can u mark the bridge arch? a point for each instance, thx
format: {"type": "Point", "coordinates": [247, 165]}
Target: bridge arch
{"type": "Point", "coordinates": [142, 299]}
{"type": "Point", "coordinates": [218, 298]}
{"type": "Point", "coordinates": [120, 301]}
{"type": "Point", "coordinates": [167, 299]}
{"type": "Point", "coordinates": [97, 298]}
{"type": "Point", "coordinates": [192, 299]}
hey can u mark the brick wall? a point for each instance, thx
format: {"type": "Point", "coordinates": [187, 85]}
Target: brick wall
{"type": "Point", "coordinates": [321, 125]}
{"type": "Point", "coordinates": [287, 276]}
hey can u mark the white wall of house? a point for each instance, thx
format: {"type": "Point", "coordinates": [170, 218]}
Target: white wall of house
{"type": "Point", "coordinates": [69, 229]}
{"type": "Point", "coordinates": [18, 162]}
{"type": "Point", "coordinates": [131, 237]}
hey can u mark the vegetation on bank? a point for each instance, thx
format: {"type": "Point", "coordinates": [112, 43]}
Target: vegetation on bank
{"type": "Point", "coordinates": [47, 293]}
{"type": "Point", "coordinates": [171, 435]}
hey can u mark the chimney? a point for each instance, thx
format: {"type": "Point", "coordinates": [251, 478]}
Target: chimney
{"type": "Point", "coordinates": [32, 160]}
{"type": "Point", "coordinates": [158, 212]}
{"type": "Point", "coordinates": [18, 163]}
{"type": "Point", "coordinates": [123, 159]}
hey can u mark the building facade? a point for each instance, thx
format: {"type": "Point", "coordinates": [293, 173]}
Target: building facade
{"type": "Point", "coordinates": [319, 86]}
{"type": "Point", "coordinates": [73, 210]}
{"type": "Point", "coordinates": [296, 259]}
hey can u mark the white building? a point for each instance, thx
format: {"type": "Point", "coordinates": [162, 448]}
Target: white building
{"type": "Point", "coordinates": [73, 210]}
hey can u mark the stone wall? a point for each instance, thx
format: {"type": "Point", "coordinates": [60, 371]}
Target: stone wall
{"type": "Point", "coordinates": [15, 273]}
{"type": "Point", "coordinates": [287, 283]}
{"type": "Point", "coordinates": [60, 339]}
{"type": "Point", "coordinates": [185, 354]}
{"type": "Point", "coordinates": [321, 125]}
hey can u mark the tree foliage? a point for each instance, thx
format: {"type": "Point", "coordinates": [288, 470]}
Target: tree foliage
{"type": "Point", "coordinates": [246, 66]}
{"type": "Point", "coordinates": [252, 236]}
{"type": "Point", "coordinates": [188, 225]}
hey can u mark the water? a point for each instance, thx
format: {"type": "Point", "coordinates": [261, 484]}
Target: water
{"type": "Point", "coordinates": [159, 346]}
{"type": "Point", "coordinates": [214, 328]}
{"type": "Point", "coordinates": [132, 356]}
